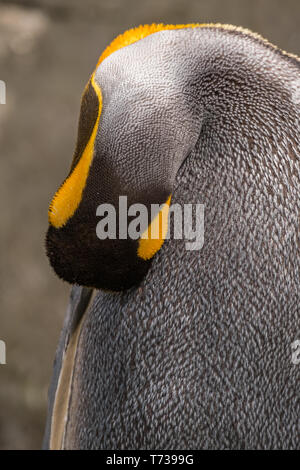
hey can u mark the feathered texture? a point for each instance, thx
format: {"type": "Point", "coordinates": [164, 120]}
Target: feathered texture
{"type": "Point", "coordinates": [199, 355]}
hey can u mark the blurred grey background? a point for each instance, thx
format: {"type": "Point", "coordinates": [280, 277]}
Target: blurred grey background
{"type": "Point", "coordinates": [48, 49]}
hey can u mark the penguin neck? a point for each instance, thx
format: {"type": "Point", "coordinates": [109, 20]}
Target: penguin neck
{"type": "Point", "coordinates": [239, 87]}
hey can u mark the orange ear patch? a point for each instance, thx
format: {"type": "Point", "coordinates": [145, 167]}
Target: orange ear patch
{"type": "Point", "coordinates": [68, 197]}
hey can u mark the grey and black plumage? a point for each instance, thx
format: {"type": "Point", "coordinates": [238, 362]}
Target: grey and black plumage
{"type": "Point", "coordinates": [198, 354]}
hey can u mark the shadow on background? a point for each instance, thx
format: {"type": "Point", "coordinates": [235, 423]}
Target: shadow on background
{"type": "Point", "coordinates": [48, 48]}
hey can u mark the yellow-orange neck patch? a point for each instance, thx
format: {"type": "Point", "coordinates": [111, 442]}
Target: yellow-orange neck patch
{"type": "Point", "coordinates": [153, 237]}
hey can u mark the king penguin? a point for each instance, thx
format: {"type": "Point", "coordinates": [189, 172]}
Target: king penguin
{"type": "Point", "coordinates": [165, 347]}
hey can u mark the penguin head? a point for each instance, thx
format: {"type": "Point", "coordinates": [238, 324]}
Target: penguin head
{"type": "Point", "coordinates": [135, 130]}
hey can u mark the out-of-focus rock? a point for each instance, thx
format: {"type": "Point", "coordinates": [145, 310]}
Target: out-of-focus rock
{"type": "Point", "coordinates": [20, 29]}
